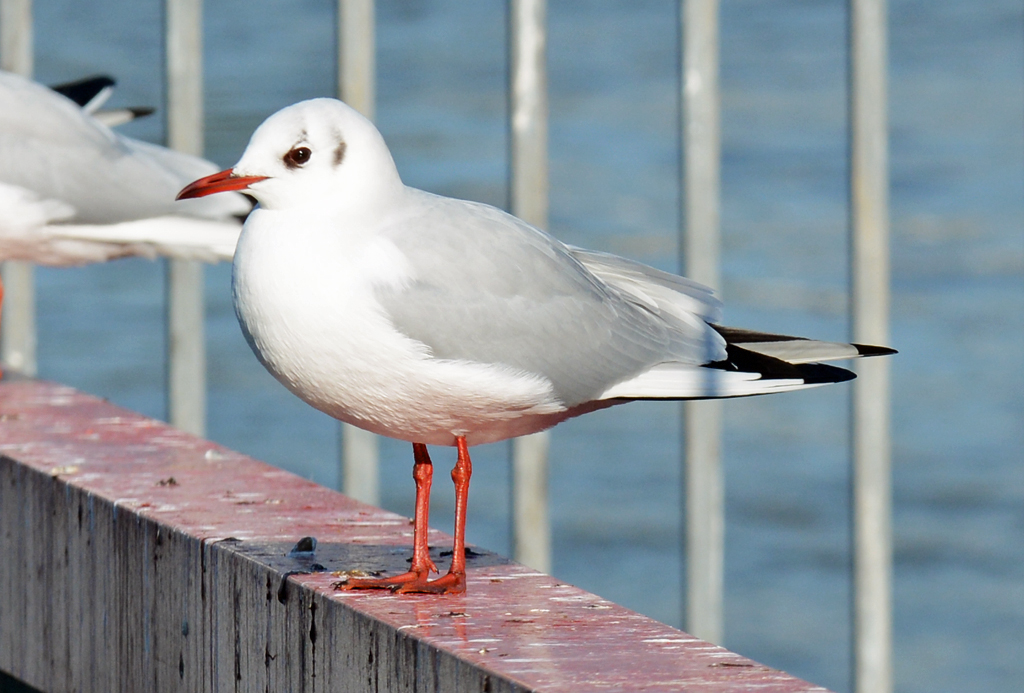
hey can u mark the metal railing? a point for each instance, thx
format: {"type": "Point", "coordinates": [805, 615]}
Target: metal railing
{"type": "Point", "coordinates": [869, 310]}
{"type": "Point", "coordinates": [186, 334]}
{"type": "Point", "coordinates": [699, 257]}
{"type": "Point", "coordinates": [18, 326]}
{"type": "Point", "coordinates": [528, 200]}
{"type": "Point", "coordinates": [357, 87]}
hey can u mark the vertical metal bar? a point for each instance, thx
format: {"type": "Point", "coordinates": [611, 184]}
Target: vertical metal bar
{"type": "Point", "coordinates": [869, 293]}
{"type": "Point", "coordinates": [356, 87]}
{"type": "Point", "coordinates": [699, 246]}
{"type": "Point", "coordinates": [186, 358]}
{"type": "Point", "coordinates": [186, 347]}
{"type": "Point", "coordinates": [360, 454]}
{"type": "Point", "coordinates": [357, 55]}
{"type": "Point", "coordinates": [18, 318]}
{"type": "Point", "coordinates": [528, 164]}
{"type": "Point", "coordinates": [531, 526]}
{"type": "Point", "coordinates": [16, 46]}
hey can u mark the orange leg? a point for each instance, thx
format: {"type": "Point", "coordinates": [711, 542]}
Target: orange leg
{"type": "Point", "coordinates": [422, 473]}
{"type": "Point", "coordinates": [454, 581]}
{"type": "Point", "coordinates": [415, 580]}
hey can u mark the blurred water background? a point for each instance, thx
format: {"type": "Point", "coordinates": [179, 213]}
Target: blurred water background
{"type": "Point", "coordinates": [957, 153]}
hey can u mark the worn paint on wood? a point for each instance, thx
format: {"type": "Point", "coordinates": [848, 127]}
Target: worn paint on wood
{"type": "Point", "coordinates": [138, 557]}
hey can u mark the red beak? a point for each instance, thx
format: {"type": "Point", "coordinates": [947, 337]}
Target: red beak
{"type": "Point", "coordinates": [218, 182]}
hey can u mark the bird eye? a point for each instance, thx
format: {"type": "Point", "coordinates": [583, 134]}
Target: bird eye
{"type": "Point", "coordinates": [297, 157]}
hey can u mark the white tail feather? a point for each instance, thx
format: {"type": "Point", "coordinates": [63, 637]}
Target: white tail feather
{"type": "Point", "coordinates": [677, 381]}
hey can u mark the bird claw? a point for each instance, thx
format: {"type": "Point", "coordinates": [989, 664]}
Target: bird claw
{"type": "Point", "coordinates": [449, 583]}
{"type": "Point", "coordinates": [409, 583]}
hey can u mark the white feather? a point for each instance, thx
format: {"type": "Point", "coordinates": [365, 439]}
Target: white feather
{"type": "Point", "coordinates": [676, 381]}
{"type": "Point", "coordinates": [72, 191]}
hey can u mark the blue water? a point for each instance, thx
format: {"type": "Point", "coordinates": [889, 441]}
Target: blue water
{"type": "Point", "coordinates": [957, 156]}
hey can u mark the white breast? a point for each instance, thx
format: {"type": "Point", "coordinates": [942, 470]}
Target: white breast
{"type": "Point", "coordinates": [304, 295]}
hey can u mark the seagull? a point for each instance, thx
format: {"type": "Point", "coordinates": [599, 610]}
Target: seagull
{"type": "Point", "coordinates": [73, 191]}
{"type": "Point", "coordinates": [445, 322]}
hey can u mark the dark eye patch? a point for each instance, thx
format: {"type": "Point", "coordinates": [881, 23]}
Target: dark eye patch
{"type": "Point", "coordinates": [339, 153]}
{"type": "Point", "coordinates": [297, 157]}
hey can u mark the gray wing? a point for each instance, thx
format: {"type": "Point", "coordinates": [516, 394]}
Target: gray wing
{"type": "Point", "coordinates": [49, 146]}
{"type": "Point", "coordinates": [688, 301]}
{"type": "Point", "coordinates": [489, 288]}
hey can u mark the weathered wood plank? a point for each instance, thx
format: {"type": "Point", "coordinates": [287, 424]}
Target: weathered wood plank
{"type": "Point", "coordinates": [138, 557]}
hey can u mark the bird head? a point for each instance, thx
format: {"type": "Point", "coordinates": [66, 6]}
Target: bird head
{"type": "Point", "coordinates": [318, 154]}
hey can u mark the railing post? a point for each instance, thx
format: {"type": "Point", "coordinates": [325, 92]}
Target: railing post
{"type": "Point", "coordinates": [186, 347]}
{"type": "Point", "coordinates": [528, 164]}
{"type": "Point", "coordinates": [869, 294]}
{"type": "Point", "coordinates": [357, 55]}
{"type": "Point", "coordinates": [356, 86]}
{"type": "Point", "coordinates": [18, 319]}
{"type": "Point", "coordinates": [16, 45]}
{"type": "Point", "coordinates": [699, 248]}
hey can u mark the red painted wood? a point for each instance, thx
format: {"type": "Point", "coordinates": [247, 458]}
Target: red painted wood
{"type": "Point", "coordinates": [520, 625]}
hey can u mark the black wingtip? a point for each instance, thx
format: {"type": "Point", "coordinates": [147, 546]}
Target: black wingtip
{"type": "Point", "coordinates": [871, 350]}
{"type": "Point", "coordinates": [82, 91]}
{"type": "Point", "coordinates": [771, 368]}
{"type": "Point", "coordinates": [822, 374]}
{"type": "Point", "coordinates": [738, 335]}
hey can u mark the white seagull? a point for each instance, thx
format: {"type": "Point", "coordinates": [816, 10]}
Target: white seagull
{"type": "Point", "coordinates": [445, 322]}
{"type": "Point", "coordinates": [72, 191]}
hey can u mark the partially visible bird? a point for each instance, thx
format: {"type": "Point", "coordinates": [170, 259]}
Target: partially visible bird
{"type": "Point", "coordinates": [72, 191]}
{"type": "Point", "coordinates": [91, 93]}
{"type": "Point", "coordinates": [446, 322]}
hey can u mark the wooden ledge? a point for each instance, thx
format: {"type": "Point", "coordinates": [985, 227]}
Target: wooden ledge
{"type": "Point", "coordinates": [135, 557]}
